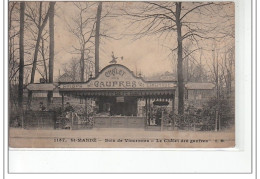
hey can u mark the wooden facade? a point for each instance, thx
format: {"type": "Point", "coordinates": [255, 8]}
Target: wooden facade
{"type": "Point", "coordinates": [118, 98]}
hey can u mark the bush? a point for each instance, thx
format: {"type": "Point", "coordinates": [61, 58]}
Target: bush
{"type": "Point", "coordinates": [206, 116]}
{"type": "Point", "coordinates": [225, 111]}
{"type": "Point", "coordinates": [15, 119]}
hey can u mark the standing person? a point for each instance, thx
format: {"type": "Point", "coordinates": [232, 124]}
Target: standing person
{"type": "Point", "coordinates": [42, 107]}
{"type": "Point", "coordinates": [69, 108]}
{"type": "Point", "coordinates": [158, 118]}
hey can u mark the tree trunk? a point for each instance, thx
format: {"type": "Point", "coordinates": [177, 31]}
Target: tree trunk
{"type": "Point", "coordinates": [82, 65]}
{"type": "Point", "coordinates": [44, 62]}
{"type": "Point", "coordinates": [99, 10]}
{"type": "Point", "coordinates": [40, 29]}
{"type": "Point", "coordinates": [36, 50]}
{"type": "Point", "coordinates": [21, 65]}
{"type": "Point", "coordinates": [51, 31]}
{"type": "Point", "coordinates": [179, 60]}
{"type": "Point", "coordinates": [51, 55]}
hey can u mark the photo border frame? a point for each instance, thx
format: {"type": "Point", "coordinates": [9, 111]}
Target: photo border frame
{"type": "Point", "coordinates": [38, 151]}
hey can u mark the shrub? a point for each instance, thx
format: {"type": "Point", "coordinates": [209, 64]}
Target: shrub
{"type": "Point", "coordinates": [225, 111]}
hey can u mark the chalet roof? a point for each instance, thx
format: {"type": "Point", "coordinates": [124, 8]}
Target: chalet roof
{"type": "Point", "coordinates": [167, 76]}
{"type": "Point", "coordinates": [206, 86]}
{"type": "Point", "coordinates": [65, 78]}
{"type": "Point", "coordinates": [41, 86]}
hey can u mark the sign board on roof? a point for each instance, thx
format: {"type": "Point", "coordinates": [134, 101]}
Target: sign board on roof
{"type": "Point", "coordinates": [117, 77]}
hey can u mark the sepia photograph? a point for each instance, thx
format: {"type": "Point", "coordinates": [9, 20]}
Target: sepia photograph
{"type": "Point", "coordinates": [130, 74]}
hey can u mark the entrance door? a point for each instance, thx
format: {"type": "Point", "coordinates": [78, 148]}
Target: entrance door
{"type": "Point", "coordinates": [125, 106]}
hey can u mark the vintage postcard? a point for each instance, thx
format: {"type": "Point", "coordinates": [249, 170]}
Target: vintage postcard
{"type": "Point", "coordinates": [153, 74]}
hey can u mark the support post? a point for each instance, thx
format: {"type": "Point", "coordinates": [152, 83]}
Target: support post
{"type": "Point", "coordinates": [49, 99]}
{"type": "Point", "coordinates": [173, 100]}
{"type": "Point", "coordinates": [162, 121]}
{"type": "Point", "coordinates": [72, 120]}
{"type": "Point", "coordinates": [219, 124]}
{"type": "Point", "coordinates": [62, 101]}
{"type": "Point", "coordinates": [30, 93]}
{"type": "Point", "coordinates": [173, 119]}
{"type": "Point", "coordinates": [146, 108]}
{"type": "Point", "coordinates": [22, 117]}
{"type": "Point", "coordinates": [86, 105]}
{"type": "Point", "coordinates": [149, 107]}
{"type": "Point", "coordinates": [216, 121]}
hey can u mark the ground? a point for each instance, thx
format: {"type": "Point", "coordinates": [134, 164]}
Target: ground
{"type": "Point", "coordinates": [119, 138]}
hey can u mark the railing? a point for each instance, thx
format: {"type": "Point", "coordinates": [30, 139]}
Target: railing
{"type": "Point", "coordinates": [39, 119]}
{"type": "Point", "coordinates": [181, 122]}
{"type": "Point", "coordinates": [193, 122]}
{"type": "Point", "coordinates": [72, 120]}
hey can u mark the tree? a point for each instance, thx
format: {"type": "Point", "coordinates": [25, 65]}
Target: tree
{"type": "Point", "coordinates": [72, 70]}
{"type": "Point", "coordinates": [14, 16]}
{"type": "Point", "coordinates": [51, 56]}
{"type": "Point", "coordinates": [86, 28]}
{"type": "Point", "coordinates": [43, 52]}
{"type": "Point", "coordinates": [21, 65]}
{"type": "Point", "coordinates": [228, 69]}
{"type": "Point", "coordinates": [190, 21]}
{"type": "Point", "coordinates": [51, 31]}
{"type": "Point", "coordinates": [179, 59]}
{"type": "Point", "coordinates": [97, 38]}
{"type": "Point", "coordinates": [82, 26]}
{"type": "Point", "coordinates": [40, 23]}
{"type": "Point", "coordinates": [193, 68]}
{"type": "Point", "coordinates": [14, 30]}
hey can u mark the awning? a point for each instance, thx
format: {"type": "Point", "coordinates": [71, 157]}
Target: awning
{"type": "Point", "coordinates": [140, 93]}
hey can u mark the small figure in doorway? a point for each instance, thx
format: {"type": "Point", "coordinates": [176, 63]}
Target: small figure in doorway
{"type": "Point", "coordinates": [69, 108]}
{"type": "Point", "coordinates": [69, 115]}
{"type": "Point", "coordinates": [158, 117]}
{"type": "Point", "coordinates": [42, 107]}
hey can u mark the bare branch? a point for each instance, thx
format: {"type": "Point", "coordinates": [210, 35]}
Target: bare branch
{"type": "Point", "coordinates": [207, 4]}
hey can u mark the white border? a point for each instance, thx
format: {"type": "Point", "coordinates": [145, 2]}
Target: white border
{"type": "Point", "coordinates": [150, 161]}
